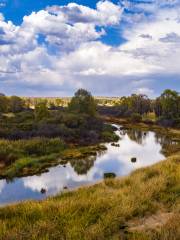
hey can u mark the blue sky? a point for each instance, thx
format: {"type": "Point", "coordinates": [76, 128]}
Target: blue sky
{"type": "Point", "coordinates": [115, 48]}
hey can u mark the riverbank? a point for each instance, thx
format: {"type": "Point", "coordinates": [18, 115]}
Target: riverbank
{"type": "Point", "coordinates": [108, 210]}
{"type": "Point", "coordinates": [171, 133]}
{"type": "Point", "coordinates": [36, 156]}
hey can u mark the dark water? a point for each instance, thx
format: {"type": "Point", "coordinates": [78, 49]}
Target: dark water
{"type": "Point", "coordinates": [145, 146]}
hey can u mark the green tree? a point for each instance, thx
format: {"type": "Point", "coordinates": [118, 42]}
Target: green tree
{"type": "Point", "coordinates": [16, 104]}
{"type": "Point", "coordinates": [4, 104]}
{"type": "Point", "coordinates": [83, 102]}
{"type": "Point", "coordinates": [139, 104]}
{"type": "Point", "coordinates": [59, 102]}
{"type": "Point", "coordinates": [168, 105]}
{"type": "Point", "coordinates": [41, 110]}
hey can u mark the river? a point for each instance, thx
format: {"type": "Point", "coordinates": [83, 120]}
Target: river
{"type": "Point", "coordinates": [145, 147]}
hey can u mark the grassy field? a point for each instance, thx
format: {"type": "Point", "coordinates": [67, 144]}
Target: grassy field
{"type": "Point", "coordinates": [114, 209]}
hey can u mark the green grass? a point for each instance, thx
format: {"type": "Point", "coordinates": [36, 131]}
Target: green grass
{"type": "Point", "coordinates": [34, 156]}
{"type": "Point", "coordinates": [10, 150]}
{"type": "Point", "coordinates": [22, 157]}
{"type": "Point", "coordinates": [101, 211]}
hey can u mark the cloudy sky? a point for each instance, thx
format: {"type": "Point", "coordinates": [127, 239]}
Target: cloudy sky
{"type": "Point", "coordinates": [115, 48]}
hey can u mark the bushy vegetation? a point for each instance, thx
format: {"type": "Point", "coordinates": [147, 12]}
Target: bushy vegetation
{"type": "Point", "coordinates": [83, 102]}
{"type": "Point", "coordinates": [78, 124]}
{"type": "Point", "coordinates": [104, 211]}
{"type": "Point", "coordinates": [32, 147]}
{"type": "Point", "coordinates": [165, 109]}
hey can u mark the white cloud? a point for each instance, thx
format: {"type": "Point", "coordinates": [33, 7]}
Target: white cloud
{"type": "Point", "coordinates": [71, 54]}
{"type": "Point", "coordinates": [106, 13]}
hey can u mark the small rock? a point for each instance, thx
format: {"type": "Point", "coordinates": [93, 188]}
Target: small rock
{"type": "Point", "coordinates": [43, 190]}
{"type": "Point", "coordinates": [109, 175]}
{"type": "Point", "coordinates": [115, 145]}
{"type": "Point", "coordinates": [133, 160]}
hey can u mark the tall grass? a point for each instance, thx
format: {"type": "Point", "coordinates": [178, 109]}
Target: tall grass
{"type": "Point", "coordinates": [101, 211]}
{"type": "Point", "coordinates": [23, 157]}
{"type": "Point", "coordinates": [12, 150]}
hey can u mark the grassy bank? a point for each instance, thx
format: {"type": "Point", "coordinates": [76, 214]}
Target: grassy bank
{"type": "Point", "coordinates": [104, 211]}
{"type": "Point", "coordinates": [28, 157]}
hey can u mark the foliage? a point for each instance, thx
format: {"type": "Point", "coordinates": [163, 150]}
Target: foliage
{"type": "Point", "coordinates": [136, 117]}
{"type": "Point", "coordinates": [4, 104]}
{"type": "Point", "coordinates": [167, 105]}
{"type": "Point", "coordinates": [41, 110]}
{"type": "Point", "coordinates": [16, 104]}
{"type": "Point", "coordinates": [83, 102]}
{"type": "Point", "coordinates": [35, 146]}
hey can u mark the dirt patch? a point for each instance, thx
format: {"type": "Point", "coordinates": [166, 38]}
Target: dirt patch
{"type": "Point", "coordinates": [151, 222]}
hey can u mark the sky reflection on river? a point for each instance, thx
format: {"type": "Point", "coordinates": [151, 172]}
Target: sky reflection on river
{"type": "Point", "coordinates": [143, 146]}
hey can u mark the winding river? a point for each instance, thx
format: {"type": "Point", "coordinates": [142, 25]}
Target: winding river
{"type": "Point", "coordinates": [146, 147]}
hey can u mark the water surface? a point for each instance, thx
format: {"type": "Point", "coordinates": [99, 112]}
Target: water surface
{"type": "Point", "coordinates": [144, 146]}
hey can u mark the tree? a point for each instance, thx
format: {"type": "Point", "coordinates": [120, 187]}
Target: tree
{"type": "Point", "coordinates": [83, 102]}
{"type": "Point", "coordinates": [139, 104]}
{"type": "Point", "coordinates": [168, 105]}
{"type": "Point", "coordinates": [59, 102]}
{"type": "Point", "coordinates": [4, 104]}
{"type": "Point", "coordinates": [41, 110]}
{"type": "Point", "coordinates": [16, 104]}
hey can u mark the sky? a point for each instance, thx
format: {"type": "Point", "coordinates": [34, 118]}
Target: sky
{"type": "Point", "coordinates": [111, 48]}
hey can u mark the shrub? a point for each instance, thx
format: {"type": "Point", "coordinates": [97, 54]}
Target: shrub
{"type": "Point", "coordinates": [136, 117]}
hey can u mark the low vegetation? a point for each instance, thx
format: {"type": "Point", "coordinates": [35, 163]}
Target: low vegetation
{"type": "Point", "coordinates": [26, 157]}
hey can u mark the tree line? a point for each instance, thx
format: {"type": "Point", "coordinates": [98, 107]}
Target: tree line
{"type": "Point", "coordinates": [166, 107]}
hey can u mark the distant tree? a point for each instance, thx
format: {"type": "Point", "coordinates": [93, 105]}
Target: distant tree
{"type": "Point", "coordinates": [41, 110]}
{"type": "Point", "coordinates": [4, 104]}
{"type": "Point", "coordinates": [27, 103]}
{"type": "Point", "coordinates": [83, 102]}
{"type": "Point", "coordinates": [139, 104]}
{"type": "Point", "coordinates": [158, 107]}
{"type": "Point", "coordinates": [58, 102]}
{"type": "Point", "coordinates": [16, 104]}
{"type": "Point", "coordinates": [168, 105]}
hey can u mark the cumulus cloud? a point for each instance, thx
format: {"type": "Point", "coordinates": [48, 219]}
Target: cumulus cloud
{"type": "Point", "coordinates": [59, 49]}
{"type": "Point", "coordinates": [106, 13]}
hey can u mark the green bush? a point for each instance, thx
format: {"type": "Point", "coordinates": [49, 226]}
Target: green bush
{"type": "Point", "coordinates": [136, 117]}
{"type": "Point", "coordinates": [108, 136]}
